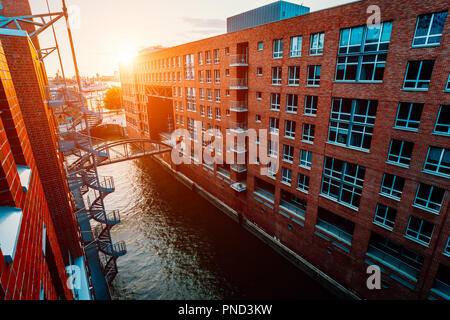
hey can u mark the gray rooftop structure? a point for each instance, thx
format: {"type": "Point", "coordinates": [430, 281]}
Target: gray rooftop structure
{"type": "Point", "coordinates": [272, 12]}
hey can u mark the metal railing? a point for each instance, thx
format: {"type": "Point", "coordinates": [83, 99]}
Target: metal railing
{"type": "Point", "coordinates": [239, 60]}
{"type": "Point", "coordinates": [239, 83]}
{"type": "Point", "coordinates": [239, 106]}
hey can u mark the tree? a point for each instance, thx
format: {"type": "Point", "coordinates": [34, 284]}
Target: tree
{"type": "Point", "coordinates": [112, 100]}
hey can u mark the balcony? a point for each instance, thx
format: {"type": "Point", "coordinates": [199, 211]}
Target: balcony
{"type": "Point", "coordinates": [239, 168]}
{"type": "Point", "coordinates": [238, 149]}
{"type": "Point", "coordinates": [238, 127]}
{"type": "Point", "coordinates": [10, 222]}
{"type": "Point", "coordinates": [239, 84]}
{"type": "Point", "coordinates": [239, 106]}
{"type": "Point", "coordinates": [239, 186]}
{"type": "Point", "coordinates": [238, 60]}
{"type": "Point", "coordinates": [334, 231]}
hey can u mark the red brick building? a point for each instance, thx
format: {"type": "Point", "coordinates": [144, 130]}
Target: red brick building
{"type": "Point", "coordinates": [31, 264]}
{"type": "Point", "coordinates": [362, 115]}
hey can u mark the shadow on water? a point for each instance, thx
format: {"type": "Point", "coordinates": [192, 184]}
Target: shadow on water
{"type": "Point", "coordinates": [181, 247]}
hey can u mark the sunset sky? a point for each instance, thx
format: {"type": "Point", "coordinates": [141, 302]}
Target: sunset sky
{"type": "Point", "coordinates": [109, 30]}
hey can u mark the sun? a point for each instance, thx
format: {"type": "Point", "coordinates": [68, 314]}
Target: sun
{"type": "Point", "coordinates": [126, 57]}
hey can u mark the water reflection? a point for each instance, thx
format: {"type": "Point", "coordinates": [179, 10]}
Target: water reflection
{"type": "Point", "coordinates": [182, 247]}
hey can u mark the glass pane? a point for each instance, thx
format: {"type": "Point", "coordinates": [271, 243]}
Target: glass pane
{"type": "Point", "coordinates": [438, 23]}
{"type": "Point", "coordinates": [423, 25]}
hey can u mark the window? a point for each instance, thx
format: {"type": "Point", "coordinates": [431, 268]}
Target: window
{"type": "Point", "coordinates": [392, 186]}
{"type": "Point", "coordinates": [308, 133]}
{"type": "Point", "coordinates": [418, 75]}
{"type": "Point", "coordinates": [209, 94]}
{"type": "Point", "coordinates": [292, 103]}
{"type": "Point", "coordinates": [274, 125]}
{"type": "Point", "coordinates": [296, 47]}
{"type": "Point", "coordinates": [316, 44]}
{"type": "Point", "coordinates": [443, 121]}
{"type": "Point", "coordinates": [272, 148]}
{"type": "Point", "coordinates": [278, 49]}
{"type": "Point", "coordinates": [286, 176]}
{"type": "Point", "coordinates": [258, 118]}
{"type": "Point", "coordinates": [419, 230]}
{"type": "Point", "coordinates": [343, 181]}
{"type": "Point", "coordinates": [227, 112]}
{"type": "Point", "coordinates": [216, 56]}
{"type": "Point", "coordinates": [201, 93]}
{"type": "Point", "coordinates": [362, 53]}
{"type": "Point", "coordinates": [202, 111]}
{"type": "Point", "coordinates": [209, 112]}
{"type": "Point", "coordinates": [217, 95]}
{"type": "Point", "coordinates": [227, 72]}
{"type": "Point", "coordinates": [275, 101]}
{"type": "Point", "coordinates": [258, 95]}
{"type": "Point", "coordinates": [303, 183]}
{"type": "Point", "coordinates": [208, 76]}
{"type": "Point", "coordinates": [260, 46]}
{"type": "Point", "coordinates": [311, 103]}
{"type": "Point", "coordinates": [408, 116]}
{"type": "Point", "coordinates": [429, 29]}
{"type": "Point", "coordinates": [217, 76]}
{"type": "Point", "coordinates": [352, 122]}
{"type": "Point", "coordinates": [294, 76]}
{"type": "Point", "coordinates": [218, 115]}
{"type": "Point", "coordinates": [447, 248]}
{"type": "Point", "coordinates": [447, 87]}
{"type": "Point", "coordinates": [288, 153]}
{"type": "Point", "coordinates": [208, 57]}
{"type": "Point", "coordinates": [259, 71]}
{"type": "Point", "coordinates": [200, 76]}
{"type": "Point", "coordinates": [313, 79]}
{"type": "Point", "coordinates": [289, 128]}
{"type": "Point", "coordinates": [385, 217]}
{"type": "Point", "coordinates": [429, 197]}
{"type": "Point", "coordinates": [276, 76]}
{"type": "Point", "coordinates": [438, 161]}
{"type": "Point", "coordinates": [400, 152]}
{"type": "Point", "coordinates": [305, 159]}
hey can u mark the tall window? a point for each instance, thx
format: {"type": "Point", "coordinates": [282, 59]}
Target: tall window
{"type": "Point", "coordinates": [294, 76]}
{"type": "Point", "coordinates": [218, 115]}
{"type": "Point", "coordinates": [343, 181]}
{"type": "Point", "coordinates": [305, 159]}
{"type": "Point", "coordinates": [408, 116]}
{"type": "Point", "coordinates": [286, 176]}
{"type": "Point", "coordinates": [289, 129]}
{"type": "Point", "coordinates": [216, 56]}
{"type": "Point", "coordinates": [429, 29]}
{"type": "Point", "coordinates": [296, 47]}
{"type": "Point", "coordinates": [362, 53]}
{"type": "Point", "coordinates": [274, 125]}
{"type": "Point", "coordinates": [278, 48]}
{"type": "Point", "coordinates": [260, 46]}
{"type": "Point", "coordinates": [316, 44]}
{"type": "Point", "coordinates": [385, 217]}
{"type": "Point", "coordinates": [311, 103]}
{"type": "Point", "coordinates": [352, 122]}
{"type": "Point", "coordinates": [438, 161]}
{"type": "Point", "coordinates": [392, 186]}
{"type": "Point", "coordinates": [276, 75]}
{"type": "Point", "coordinates": [217, 95]}
{"type": "Point", "coordinates": [275, 101]}
{"type": "Point", "coordinates": [418, 75]}
{"type": "Point", "coordinates": [308, 133]}
{"type": "Point", "coordinates": [419, 230]}
{"type": "Point", "coordinates": [303, 183]}
{"type": "Point", "coordinates": [313, 79]}
{"type": "Point", "coordinates": [208, 57]}
{"type": "Point", "coordinates": [200, 58]}
{"type": "Point", "coordinates": [442, 126]}
{"type": "Point", "coordinates": [400, 152]}
{"type": "Point", "coordinates": [217, 76]}
{"type": "Point", "coordinates": [288, 153]}
{"type": "Point", "coordinates": [429, 197]}
{"type": "Point", "coordinates": [272, 149]}
{"type": "Point", "coordinates": [208, 76]}
{"type": "Point", "coordinates": [210, 112]}
{"type": "Point", "coordinates": [292, 103]}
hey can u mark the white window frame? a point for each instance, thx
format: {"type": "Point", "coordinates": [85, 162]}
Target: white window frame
{"type": "Point", "coordinates": [316, 45]}
{"type": "Point", "coordinates": [381, 216]}
{"type": "Point", "coordinates": [274, 125]}
{"type": "Point", "coordinates": [311, 107]}
{"type": "Point", "coordinates": [277, 49]}
{"type": "Point", "coordinates": [400, 157]}
{"type": "Point", "coordinates": [417, 81]}
{"type": "Point", "coordinates": [427, 202]}
{"type": "Point", "coordinates": [295, 72]}
{"type": "Point", "coordinates": [290, 128]}
{"type": "Point", "coordinates": [444, 125]}
{"type": "Point", "coordinates": [218, 114]}
{"type": "Point", "coordinates": [288, 153]}
{"type": "Point", "coordinates": [275, 105]}
{"type": "Point", "coordinates": [291, 103]}
{"type": "Point", "coordinates": [303, 182]}
{"type": "Point", "coordinates": [409, 124]}
{"type": "Point", "coordinates": [277, 74]}
{"type": "Point", "coordinates": [315, 81]}
{"type": "Point", "coordinates": [286, 176]}
{"type": "Point", "coordinates": [296, 47]}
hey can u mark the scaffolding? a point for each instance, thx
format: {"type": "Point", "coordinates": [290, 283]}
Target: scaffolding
{"type": "Point", "coordinates": [84, 154]}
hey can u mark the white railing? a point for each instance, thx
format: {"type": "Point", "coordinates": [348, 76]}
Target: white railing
{"type": "Point", "coordinates": [239, 60]}
{"type": "Point", "coordinates": [239, 106]}
{"type": "Point", "coordinates": [239, 83]}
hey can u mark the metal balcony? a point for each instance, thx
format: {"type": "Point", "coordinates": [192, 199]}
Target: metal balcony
{"type": "Point", "coordinates": [238, 168]}
{"type": "Point", "coordinates": [238, 127]}
{"type": "Point", "coordinates": [239, 106]}
{"type": "Point", "coordinates": [238, 60]}
{"type": "Point", "coordinates": [239, 84]}
{"type": "Point", "coordinates": [239, 186]}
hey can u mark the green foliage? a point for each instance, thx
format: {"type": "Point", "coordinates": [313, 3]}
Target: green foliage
{"type": "Point", "coordinates": [112, 98]}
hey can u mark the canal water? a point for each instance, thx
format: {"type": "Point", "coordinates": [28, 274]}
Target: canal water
{"type": "Point", "coordinates": [181, 247]}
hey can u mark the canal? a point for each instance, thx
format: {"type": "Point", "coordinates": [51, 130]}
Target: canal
{"type": "Point", "coordinates": [181, 247]}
